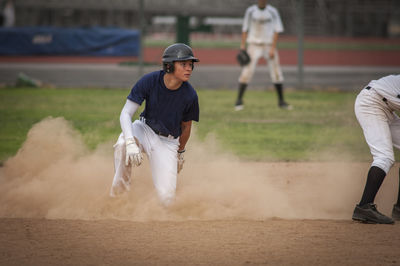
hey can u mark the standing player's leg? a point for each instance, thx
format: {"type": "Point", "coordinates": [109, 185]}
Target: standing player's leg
{"type": "Point", "coordinates": [247, 74]}
{"type": "Point", "coordinates": [239, 101]}
{"type": "Point", "coordinates": [369, 110]}
{"type": "Point", "coordinates": [276, 74]}
{"type": "Point", "coordinates": [395, 131]}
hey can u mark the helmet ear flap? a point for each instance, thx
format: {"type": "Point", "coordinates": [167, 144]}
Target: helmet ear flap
{"type": "Point", "coordinates": [168, 67]}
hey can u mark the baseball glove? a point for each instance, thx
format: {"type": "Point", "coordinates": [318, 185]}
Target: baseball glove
{"type": "Point", "coordinates": [243, 58]}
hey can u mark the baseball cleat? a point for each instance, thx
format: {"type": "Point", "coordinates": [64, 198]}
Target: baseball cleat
{"type": "Point", "coordinates": [396, 212]}
{"type": "Point", "coordinates": [368, 213]}
{"type": "Point", "coordinates": [239, 105]}
{"type": "Point", "coordinates": [285, 105]}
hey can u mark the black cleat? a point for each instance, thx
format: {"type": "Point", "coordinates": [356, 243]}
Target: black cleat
{"type": "Point", "coordinates": [239, 105]}
{"type": "Point", "coordinates": [396, 212]}
{"type": "Point", "coordinates": [285, 105]}
{"type": "Point", "coordinates": [368, 213]}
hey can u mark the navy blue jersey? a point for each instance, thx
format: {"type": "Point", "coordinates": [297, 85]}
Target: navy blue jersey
{"type": "Point", "coordinates": [165, 109]}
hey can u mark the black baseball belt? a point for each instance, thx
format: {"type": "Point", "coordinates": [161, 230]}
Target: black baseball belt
{"type": "Point", "coordinates": [162, 134]}
{"type": "Point", "coordinates": [155, 130]}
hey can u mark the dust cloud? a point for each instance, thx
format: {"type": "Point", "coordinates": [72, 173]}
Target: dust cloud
{"type": "Point", "coordinates": [55, 176]}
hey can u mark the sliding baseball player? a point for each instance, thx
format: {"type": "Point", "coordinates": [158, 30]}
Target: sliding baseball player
{"type": "Point", "coordinates": [164, 126]}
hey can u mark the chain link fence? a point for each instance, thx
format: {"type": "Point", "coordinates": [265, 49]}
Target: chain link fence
{"type": "Point", "coordinates": [367, 18]}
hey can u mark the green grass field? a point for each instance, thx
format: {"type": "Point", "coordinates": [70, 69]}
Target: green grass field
{"type": "Point", "coordinates": [322, 125]}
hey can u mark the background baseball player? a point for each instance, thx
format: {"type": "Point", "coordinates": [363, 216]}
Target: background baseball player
{"type": "Point", "coordinates": [261, 26]}
{"type": "Point", "coordinates": [375, 108]}
{"type": "Point", "coordinates": [164, 126]}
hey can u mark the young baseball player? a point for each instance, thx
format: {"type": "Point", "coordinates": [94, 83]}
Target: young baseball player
{"type": "Point", "coordinates": [164, 126]}
{"type": "Point", "coordinates": [261, 26]}
{"type": "Point", "coordinates": [375, 108]}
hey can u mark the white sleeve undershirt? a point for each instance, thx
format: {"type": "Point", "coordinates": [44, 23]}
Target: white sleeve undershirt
{"type": "Point", "coordinates": [125, 118]}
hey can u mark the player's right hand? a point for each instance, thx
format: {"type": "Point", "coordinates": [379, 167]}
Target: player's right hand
{"type": "Point", "coordinates": [133, 154]}
{"type": "Point", "coordinates": [181, 160]}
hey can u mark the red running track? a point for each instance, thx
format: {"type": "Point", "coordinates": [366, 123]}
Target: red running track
{"type": "Point", "coordinates": [209, 56]}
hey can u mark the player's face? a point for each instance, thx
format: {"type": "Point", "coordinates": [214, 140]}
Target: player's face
{"type": "Point", "coordinates": [262, 3]}
{"type": "Point", "coordinates": [183, 69]}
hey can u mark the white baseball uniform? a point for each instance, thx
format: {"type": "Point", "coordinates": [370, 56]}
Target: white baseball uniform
{"type": "Point", "coordinates": [261, 25]}
{"type": "Point", "coordinates": [375, 108]}
{"type": "Point", "coordinates": [162, 154]}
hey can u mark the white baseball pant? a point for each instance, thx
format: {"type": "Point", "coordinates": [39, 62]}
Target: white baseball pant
{"type": "Point", "coordinates": [162, 154]}
{"type": "Point", "coordinates": [256, 51]}
{"type": "Point", "coordinates": [381, 127]}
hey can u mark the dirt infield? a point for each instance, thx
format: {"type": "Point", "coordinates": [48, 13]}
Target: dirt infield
{"type": "Point", "coordinates": [228, 242]}
{"type": "Point", "coordinates": [55, 210]}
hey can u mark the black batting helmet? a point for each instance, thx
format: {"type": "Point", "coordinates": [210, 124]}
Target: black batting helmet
{"type": "Point", "coordinates": [176, 52]}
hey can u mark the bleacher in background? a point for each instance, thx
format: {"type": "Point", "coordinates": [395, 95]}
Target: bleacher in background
{"type": "Point", "coordinates": [353, 18]}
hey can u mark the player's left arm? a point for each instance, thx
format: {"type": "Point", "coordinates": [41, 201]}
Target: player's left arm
{"type": "Point", "coordinates": [183, 139]}
{"type": "Point", "coordinates": [186, 127]}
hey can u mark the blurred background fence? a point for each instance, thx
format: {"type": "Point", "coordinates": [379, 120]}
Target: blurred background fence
{"type": "Point", "coordinates": [346, 41]}
{"type": "Point", "coordinates": [351, 18]}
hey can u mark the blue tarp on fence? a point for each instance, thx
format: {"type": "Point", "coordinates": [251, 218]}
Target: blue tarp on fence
{"type": "Point", "coordinates": [94, 41]}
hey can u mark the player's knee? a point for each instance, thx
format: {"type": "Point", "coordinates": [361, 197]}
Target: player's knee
{"type": "Point", "coordinates": [276, 79]}
{"type": "Point", "coordinates": [385, 163]}
{"type": "Point", "coordinates": [244, 80]}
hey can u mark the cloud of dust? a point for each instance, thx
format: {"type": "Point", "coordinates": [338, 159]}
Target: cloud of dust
{"type": "Point", "coordinates": [55, 176]}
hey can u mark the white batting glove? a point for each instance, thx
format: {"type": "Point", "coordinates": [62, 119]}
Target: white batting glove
{"type": "Point", "coordinates": [180, 160]}
{"type": "Point", "coordinates": [133, 154]}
